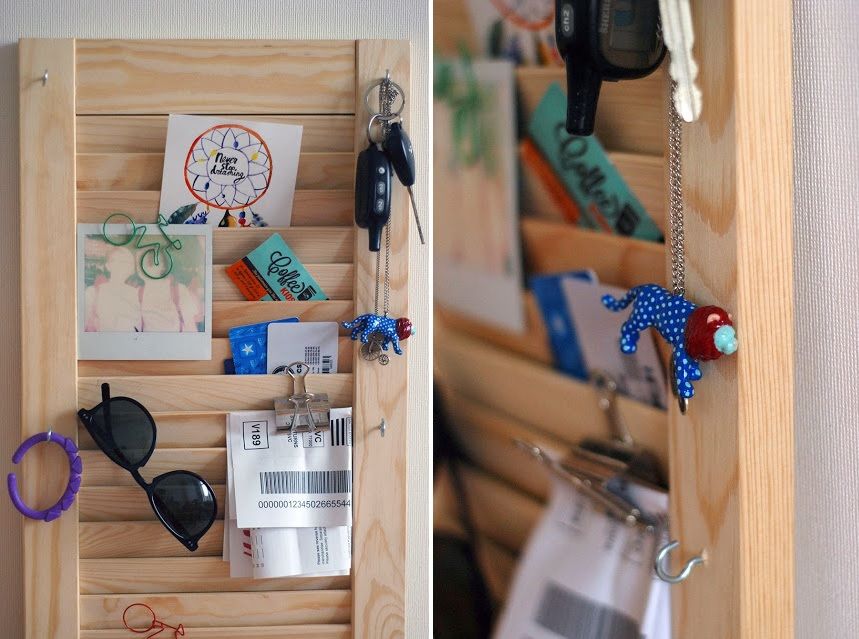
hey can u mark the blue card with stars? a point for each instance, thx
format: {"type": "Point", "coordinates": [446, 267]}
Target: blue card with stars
{"type": "Point", "coordinates": [249, 344]}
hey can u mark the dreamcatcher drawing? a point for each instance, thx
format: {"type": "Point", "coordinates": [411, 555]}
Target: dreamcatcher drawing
{"type": "Point", "coordinates": [228, 168]}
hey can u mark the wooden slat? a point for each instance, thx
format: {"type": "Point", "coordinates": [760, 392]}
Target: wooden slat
{"type": "Point", "coordinates": [204, 610]}
{"type": "Point", "coordinates": [143, 171]}
{"type": "Point", "coordinates": [552, 247]}
{"type": "Point", "coordinates": [533, 343]}
{"type": "Point", "coordinates": [732, 455]}
{"type": "Point", "coordinates": [336, 281]}
{"type": "Point", "coordinates": [538, 396]}
{"type": "Point", "coordinates": [107, 540]}
{"type": "Point", "coordinates": [212, 392]}
{"type": "Point", "coordinates": [209, 76]}
{"type": "Point", "coordinates": [185, 574]}
{"type": "Point", "coordinates": [644, 174]}
{"type": "Point", "coordinates": [226, 315]}
{"type": "Point", "coordinates": [379, 499]}
{"type": "Point", "coordinates": [339, 631]}
{"type": "Point", "coordinates": [179, 430]}
{"type": "Point", "coordinates": [209, 463]}
{"type": "Point", "coordinates": [320, 245]}
{"type": "Point", "coordinates": [48, 328]}
{"type": "Point", "coordinates": [148, 133]}
{"type": "Point", "coordinates": [215, 366]}
{"type": "Point", "coordinates": [498, 566]}
{"type": "Point", "coordinates": [125, 503]}
{"type": "Point", "coordinates": [309, 208]}
{"type": "Point", "coordinates": [630, 115]}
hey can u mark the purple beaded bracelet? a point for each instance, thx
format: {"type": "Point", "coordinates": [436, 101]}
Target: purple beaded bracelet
{"type": "Point", "coordinates": [75, 469]}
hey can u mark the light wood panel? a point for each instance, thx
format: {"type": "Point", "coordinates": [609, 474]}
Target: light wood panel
{"type": "Point", "coordinates": [105, 540]}
{"type": "Point", "coordinates": [537, 396]}
{"type": "Point", "coordinates": [226, 315]}
{"type": "Point", "coordinates": [148, 133]}
{"type": "Point", "coordinates": [212, 392]}
{"type": "Point", "coordinates": [203, 610]}
{"type": "Point", "coordinates": [379, 501]}
{"type": "Point", "coordinates": [552, 247]}
{"type": "Point", "coordinates": [143, 171]}
{"type": "Point", "coordinates": [732, 454]}
{"type": "Point", "coordinates": [205, 76]}
{"type": "Point", "coordinates": [48, 332]}
{"type": "Point", "coordinates": [125, 503]}
{"type": "Point", "coordinates": [630, 116]}
{"type": "Point", "coordinates": [339, 631]}
{"type": "Point", "coordinates": [309, 208]}
{"type": "Point", "coordinates": [185, 574]}
{"type": "Point", "coordinates": [214, 366]}
{"type": "Point", "coordinates": [336, 281]}
{"type": "Point", "coordinates": [209, 463]}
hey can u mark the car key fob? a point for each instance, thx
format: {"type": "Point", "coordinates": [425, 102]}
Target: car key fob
{"type": "Point", "coordinates": [398, 146]}
{"type": "Point", "coordinates": [604, 40]}
{"type": "Point", "coordinates": [373, 192]}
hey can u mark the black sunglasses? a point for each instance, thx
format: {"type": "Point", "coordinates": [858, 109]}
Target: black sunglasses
{"type": "Point", "coordinates": [125, 431]}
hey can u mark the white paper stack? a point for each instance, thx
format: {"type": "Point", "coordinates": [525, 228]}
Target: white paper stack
{"type": "Point", "coordinates": [289, 498]}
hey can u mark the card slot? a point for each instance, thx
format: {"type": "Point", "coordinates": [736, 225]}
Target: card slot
{"type": "Point", "coordinates": [630, 116]}
{"type": "Point", "coordinates": [336, 280]}
{"type": "Point", "coordinates": [143, 171]}
{"type": "Point", "coordinates": [214, 366]}
{"type": "Point", "coordinates": [339, 631]}
{"type": "Point", "coordinates": [139, 539]}
{"type": "Point", "coordinates": [148, 133]}
{"type": "Point", "coordinates": [192, 393]}
{"type": "Point", "coordinates": [226, 315]}
{"type": "Point", "coordinates": [125, 503]}
{"type": "Point", "coordinates": [219, 610]}
{"type": "Point", "coordinates": [186, 574]}
{"type": "Point", "coordinates": [554, 403]}
{"type": "Point", "coordinates": [310, 207]}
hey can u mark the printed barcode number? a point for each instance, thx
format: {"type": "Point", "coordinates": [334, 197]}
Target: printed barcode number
{"type": "Point", "coordinates": [311, 355]}
{"type": "Point", "coordinates": [288, 482]}
{"type": "Point", "coordinates": [326, 363]}
{"type": "Point", "coordinates": [567, 614]}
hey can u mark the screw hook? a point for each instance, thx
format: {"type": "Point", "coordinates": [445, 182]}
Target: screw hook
{"type": "Point", "coordinates": [383, 427]}
{"type": "Point", "coordinates": [662, 555]}
{"type": "Point", "coordinates": [45, 77]}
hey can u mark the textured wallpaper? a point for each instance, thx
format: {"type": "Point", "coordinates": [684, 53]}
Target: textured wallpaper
{"type": "Point", "coordinates": [826, 158]}
{"type": "Point", "coordinates": [305, 19]}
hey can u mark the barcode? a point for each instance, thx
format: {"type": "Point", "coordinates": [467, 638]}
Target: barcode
{"type": "Point", "coordinates": [567, 614]}
{"type": "Point", "coordinates": [341, 432]}
{"type": "Point", "coordinates": [326, 363]}
{"type": "Point", "coordinates": [287, 482]}
{"type": "Point", "coordinates": [311, 355]}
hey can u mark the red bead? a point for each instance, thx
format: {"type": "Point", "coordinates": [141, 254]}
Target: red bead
{"type": "Point", "coordinates": [700, 328]}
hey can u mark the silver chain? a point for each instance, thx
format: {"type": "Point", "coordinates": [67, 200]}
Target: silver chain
{"type": "Point", "coordinates": [675, 199]}
{"type": "Point", "coordinates": [387, 95]}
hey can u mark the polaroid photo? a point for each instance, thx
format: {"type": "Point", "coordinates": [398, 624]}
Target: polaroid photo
{"type": "Point", "coordinates": [144, 292]}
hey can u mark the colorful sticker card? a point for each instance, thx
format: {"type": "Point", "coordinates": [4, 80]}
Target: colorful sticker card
{"type": "Point", "coordinates": [233, 173]}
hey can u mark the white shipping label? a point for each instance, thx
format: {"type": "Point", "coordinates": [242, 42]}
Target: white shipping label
{"type": "Point", "coordinates": [291, 481]}
{"type": "Point", "coordinates": [286, 552]}
{"type": "Point", "coordinates": [314, 343]}
{"type": "Point", "coordinates": [584, 575]}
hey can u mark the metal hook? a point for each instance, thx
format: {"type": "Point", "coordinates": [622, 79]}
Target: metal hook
{"type": "Point", "coordinates": [45, 77]}
{"type": "Point", "coordinates": [662, 555]}
{"type": "Point", "coordinates": [383, 427]}
{"type": "Point", "coordinates": [397, 88]}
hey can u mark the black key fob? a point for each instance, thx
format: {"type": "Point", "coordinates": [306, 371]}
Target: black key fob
{"type": "Point", "coordinates": [604, 40]}
{"type": "Point", "coordinates": [398, 146]}
{"type": "Point", "coordinates": [373, 192]}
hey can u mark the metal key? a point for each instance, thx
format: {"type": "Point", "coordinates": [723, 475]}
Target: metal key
{"type": "Point", "coordinates": [398, 147]}
{"type": "Point", "coordinates": [678, 34]}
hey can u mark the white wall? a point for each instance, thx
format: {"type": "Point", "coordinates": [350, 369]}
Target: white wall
{"type": "Point", "coordinates": [306, 19]}
{"type": "Point", "coordinates": [826, 219]}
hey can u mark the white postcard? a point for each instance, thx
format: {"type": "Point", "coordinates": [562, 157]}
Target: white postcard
{"type": "Point", "coordinates": [314, 343]}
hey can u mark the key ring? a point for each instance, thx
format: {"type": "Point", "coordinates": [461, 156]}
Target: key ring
{"type": "Point", "coordinates": [397, 88]}
{"type": "Point", "coordinates": [373, 118]}
{"type": "Point", "coordinates": [75, 470]}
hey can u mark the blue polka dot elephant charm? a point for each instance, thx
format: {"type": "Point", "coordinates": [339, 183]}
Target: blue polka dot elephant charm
{"type": "Point", "coordinates": [377, 333]}
{"type": "Point", "coordinates": [695, 333]}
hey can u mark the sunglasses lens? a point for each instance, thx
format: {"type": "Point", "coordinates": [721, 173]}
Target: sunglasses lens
{"type": "Point", "coordinates": [131, 436]}
{"type": "Point", "coordinates": [186, 503]}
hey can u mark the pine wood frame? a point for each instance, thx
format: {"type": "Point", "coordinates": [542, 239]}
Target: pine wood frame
{"type": "Point", "coordinates": [77, 579]}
